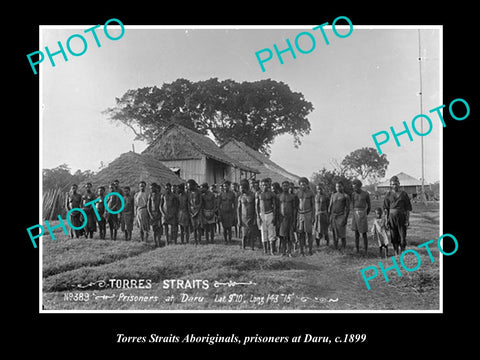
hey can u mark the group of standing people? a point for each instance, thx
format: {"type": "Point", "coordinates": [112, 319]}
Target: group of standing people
{"type": "Point", "coordinates": [280, 216]}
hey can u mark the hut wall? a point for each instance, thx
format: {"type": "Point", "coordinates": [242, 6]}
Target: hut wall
{"type": "Point", "coordinates": [216, 172]}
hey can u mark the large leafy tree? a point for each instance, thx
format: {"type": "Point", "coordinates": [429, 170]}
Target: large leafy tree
{"type": "Point", "coordinates": [252, 112]}
{"type": "Point", "coordinates": [328, 178]}
{"type": "Point", "coordinates": [366, 164]}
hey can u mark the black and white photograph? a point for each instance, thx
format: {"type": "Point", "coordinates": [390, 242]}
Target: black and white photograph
{"type": "Point", "coordinates": [250, 169]}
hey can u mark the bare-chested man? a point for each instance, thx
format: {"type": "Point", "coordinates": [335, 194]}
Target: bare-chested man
{"type": "Point", "coordinates": [102, 222]}
{"type": "Point", "coordinates": [227, 204]}
{"type": "Point", "coordinates": [74, 200]}
{"type": "Point", "coordinates": [321, 215]}
{"type": "Point", "coordinates": [114, 204]}
{"type": "Point", "coordinates": [183, 214]}
{"type": "Point", "coordinates": [141, 211]}
{"type": "Point", "coordinates": [153, 207]}
{"type": "Point", "coordinates": [89, 196]}
{"type": "Point", "coordinates": [287, 212]}
{"type": "Point", "coordinates": [266, 211]}
{"type": "Point", "coordinates": [339, 210]}
{"type": "Point", "coordinates": [209, 208]}
{"type": "Point", "coordinates": [195, 209]}
{"type": "Point", "coordinates": [128, 213]}
{"type": "Point", "coordinates": [305, 218]}
{"type": "Point", "coordinates": [246, 214]}
{"type": "Point", "coordinates": [169, 210]}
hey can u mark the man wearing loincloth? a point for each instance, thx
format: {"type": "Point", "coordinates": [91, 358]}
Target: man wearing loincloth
{"type": "Point", "coordinates": [102, 221]}
{"type": "Point", "coordinates": [287, 213]}
{"type": "Point", "coordinates": [183, 214]}
{"type": "Point", "coordinates": [397, 208]}
{"type": "Point", "coordinates": [255, 188]}
{"type": "Point", "coordinates": [195, 209]}
{"type": "Point", "coordinates": [169, 210]}
{"type": "Point", "coordinates": [209, 208]}
{"type": "Point", "coordinates": [74, 200]}
{"type": "Point", "coordinates": [361, 209]}
{"type": "Point", "coordinates": [305, 218]}
{"type": "Point", "coordinates": [141, 211]}
{"type": "Point", "coordinates": [89, 196]}
{"type": "Point", "coordinates": [339, 209]}
{"type": "Point", "coordinates": [246, 214]}
{"type": "Point", "coordinates": [266, 212]}
{"type": "Point", "coordinates": [155, 215]}
{"type": "Point", "coordinates": [227, 205]}
{"type": "Point", "coordinates": [114, 204]}
{"type": "Point", "coordinates": [320, 225]}
{"type": "Point", "coordinates": [128, 213]}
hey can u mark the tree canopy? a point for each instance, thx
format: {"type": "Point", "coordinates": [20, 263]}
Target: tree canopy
{"type": "Point", "coordinates": [328, 178]}
{"type": "Point", "coordinates": [366, 164]}
{"type": "Point", "coordinates": [252, 112]}
{"type": "Point", "coordinates": [62, 178]}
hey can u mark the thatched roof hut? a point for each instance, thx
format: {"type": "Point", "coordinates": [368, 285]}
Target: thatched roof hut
{"type": "Point", "coordinates": [196, 156]}
{"type": "Point", "coordinates": [130, 168]}
{"type": "Point", "coordinates": [252, 158]}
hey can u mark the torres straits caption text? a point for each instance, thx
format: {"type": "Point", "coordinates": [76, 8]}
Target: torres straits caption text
{"type": "Point", "coordinates": [245, 340]}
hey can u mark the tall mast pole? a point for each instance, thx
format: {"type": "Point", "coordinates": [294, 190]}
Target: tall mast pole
{"type": "Point", "coordinates": [421, 112]}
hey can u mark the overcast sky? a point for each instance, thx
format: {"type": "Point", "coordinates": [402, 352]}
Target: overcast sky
{"type": "Point", "coordinates": [358, 86]}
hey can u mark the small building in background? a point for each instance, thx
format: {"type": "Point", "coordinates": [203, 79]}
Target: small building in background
{"type": "Point", "coordinates": [409, 184]}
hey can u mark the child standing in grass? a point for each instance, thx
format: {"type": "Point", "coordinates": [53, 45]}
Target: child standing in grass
{"type": "Point", "coordinates": [379, 232]}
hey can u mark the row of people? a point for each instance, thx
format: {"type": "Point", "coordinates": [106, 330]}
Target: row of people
{"type": "Point", "coordinates": [260, 211]}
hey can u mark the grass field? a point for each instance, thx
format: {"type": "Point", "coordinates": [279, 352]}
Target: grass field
{"type": "Point", "coordinates": [237, 279]}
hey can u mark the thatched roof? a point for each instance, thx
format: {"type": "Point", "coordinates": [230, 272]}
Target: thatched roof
{"type": "Point", "coordinates": [130, 168]}
{"type": "Point", "coordinates": [252, 158]}
{"type": "Point", "coordinates": [405, 180]}
{"type": "Point", "coordinates": [180, 143]}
